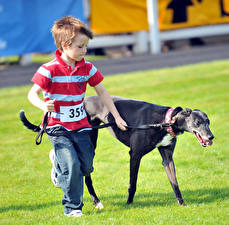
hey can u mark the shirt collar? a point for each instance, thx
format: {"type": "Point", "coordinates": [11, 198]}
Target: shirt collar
{"type": "Point", "coordinates": [58, 54]}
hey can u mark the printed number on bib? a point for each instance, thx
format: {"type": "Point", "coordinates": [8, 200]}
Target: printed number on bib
{"type": "Point", "coordinates": [72, 113]}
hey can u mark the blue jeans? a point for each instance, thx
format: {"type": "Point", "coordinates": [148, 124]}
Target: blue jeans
{"type": "Point", "coordinates": [73, 159]}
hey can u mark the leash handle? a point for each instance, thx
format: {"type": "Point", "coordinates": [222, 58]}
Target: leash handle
{"type": "Point", "coordinates": [43, 129]}
{"type": "Point", "coordinates": [39, 136]}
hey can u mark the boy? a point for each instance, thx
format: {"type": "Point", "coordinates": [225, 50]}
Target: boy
{"type": "Point", "coordinates": [63, 82]}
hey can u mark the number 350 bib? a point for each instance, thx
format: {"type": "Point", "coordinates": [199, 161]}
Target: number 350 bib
{"type": "Point", "coordinates": [72, 113]}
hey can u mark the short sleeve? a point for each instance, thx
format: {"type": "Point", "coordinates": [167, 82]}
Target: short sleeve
{"type": "Point", "coordinates": [42, 77]}
{"type": "Point", "coordinates": [95, 76]}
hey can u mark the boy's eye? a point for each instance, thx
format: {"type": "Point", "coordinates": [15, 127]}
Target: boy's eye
{"type": "Point", "coordinates": [81, 46]}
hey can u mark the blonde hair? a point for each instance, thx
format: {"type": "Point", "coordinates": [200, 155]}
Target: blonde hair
{"type": "Point", "coordinates": [66, 29]}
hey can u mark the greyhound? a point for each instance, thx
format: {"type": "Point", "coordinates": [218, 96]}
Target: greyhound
{"type": "Point", "coordinates": [141, 141]}
{"type": "Point", "coordinates": [143, 136]}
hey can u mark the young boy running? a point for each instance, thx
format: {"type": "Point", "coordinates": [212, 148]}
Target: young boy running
{"type": "Point", "coordinates": [63, 82]}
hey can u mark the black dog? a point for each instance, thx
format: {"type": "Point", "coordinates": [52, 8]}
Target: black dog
{"type": "Point", "coordinates": [142, 141]}
{"type": "Point", "coordinates": [143, 136]}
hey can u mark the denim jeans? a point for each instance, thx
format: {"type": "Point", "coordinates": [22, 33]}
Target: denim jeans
{"type": "Point", "coordinates": [74, 155]}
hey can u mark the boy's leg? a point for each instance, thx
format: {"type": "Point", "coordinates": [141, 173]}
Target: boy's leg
{"type": "Point", "coordinates": [85, 151]}
{"type": "Point", "coordinates": [70, 178]}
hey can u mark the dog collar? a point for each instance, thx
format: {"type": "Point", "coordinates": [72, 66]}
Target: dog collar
{"type": "Point", "coordinates": [168, 119]}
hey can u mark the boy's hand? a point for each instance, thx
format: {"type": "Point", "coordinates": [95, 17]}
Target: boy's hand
{"type": "Point", "coordinates": [49, 106]}
{"type": "Point", "coordinates": [121, 123]}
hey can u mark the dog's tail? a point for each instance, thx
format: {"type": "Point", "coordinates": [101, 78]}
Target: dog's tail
{"type": "Point", "coordinates": [27, 123]}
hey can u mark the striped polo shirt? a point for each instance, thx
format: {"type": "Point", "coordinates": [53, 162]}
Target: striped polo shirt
{"type": "Point", "coordinates": [58, 81]}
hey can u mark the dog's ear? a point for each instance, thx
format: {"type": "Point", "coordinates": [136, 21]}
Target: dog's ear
{"type": "Point", "coordinates": [187, 112]}
{"type": "Point", "coordinates": [175, 113]}
{"type": "Point", "coordinates": [176, 110]}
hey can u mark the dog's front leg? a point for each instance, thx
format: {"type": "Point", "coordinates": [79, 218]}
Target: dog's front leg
{"type": "Point", "coordinates": [134, 167]}
{"type": "Point", "coordinates": [167, 156]}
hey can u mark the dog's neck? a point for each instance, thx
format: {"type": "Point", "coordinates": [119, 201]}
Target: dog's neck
{"type": "Point", "coordinates": [168, 119]}
{"type": "Point", "coordinates": [177, 121]}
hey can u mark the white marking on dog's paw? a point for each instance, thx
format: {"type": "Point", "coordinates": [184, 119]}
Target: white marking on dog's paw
{"type": "Point", "coordinates": [99, 205]}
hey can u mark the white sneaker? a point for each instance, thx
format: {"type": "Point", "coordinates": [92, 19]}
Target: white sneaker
{"type": "Point", "coordinates": [53, 171]}
{"type": "Point", "coordinates": [75, 213]}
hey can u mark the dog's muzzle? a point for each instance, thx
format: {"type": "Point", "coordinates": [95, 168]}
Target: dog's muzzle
{"type": "Point", "coordinates": [204, 142]}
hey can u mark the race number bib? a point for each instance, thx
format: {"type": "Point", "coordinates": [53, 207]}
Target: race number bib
{"type": "Point", "coordinates": [72, 113]}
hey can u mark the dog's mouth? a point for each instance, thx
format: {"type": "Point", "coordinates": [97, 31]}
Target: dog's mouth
{"type": "Point", "coordinates": [202, 141]}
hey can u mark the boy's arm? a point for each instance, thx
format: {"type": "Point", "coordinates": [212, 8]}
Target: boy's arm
{"type": "Point", "coordinates": [34, 98]}
{"type": "Point", "coordinates": [106, 99]}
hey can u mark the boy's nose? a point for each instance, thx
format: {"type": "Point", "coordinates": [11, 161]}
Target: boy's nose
{"type": "Point", "coordinates": [85, 50]}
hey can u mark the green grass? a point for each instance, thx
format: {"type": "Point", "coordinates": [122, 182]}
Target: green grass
{"type": "Point", "coordinates": [27, 195]}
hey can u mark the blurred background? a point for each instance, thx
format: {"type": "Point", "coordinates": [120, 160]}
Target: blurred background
{"type": "Point", "coordinates": [122, 28]}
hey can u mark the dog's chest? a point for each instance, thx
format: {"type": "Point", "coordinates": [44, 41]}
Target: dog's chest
{"type": "Point", "coordinates": [166, 140]}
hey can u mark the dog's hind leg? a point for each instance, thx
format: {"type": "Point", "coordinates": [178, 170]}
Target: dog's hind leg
{"type": "Point", "coordinates": [167, 156]}
{"type": "Point", "coordinates": [134, 167]}
{"type": "Point", "coordinates": [91, 191]}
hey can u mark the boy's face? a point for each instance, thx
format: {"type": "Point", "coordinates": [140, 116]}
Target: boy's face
{"type": "Point", "coordinates": [77, 50]}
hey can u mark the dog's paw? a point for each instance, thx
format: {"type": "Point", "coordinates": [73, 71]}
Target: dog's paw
{"type": "Point", "coordinates": [181, 202]}
{"type": "Point", "coordinates": [129, 202]}
{"type": "Point", "coordinates": [99, 205]}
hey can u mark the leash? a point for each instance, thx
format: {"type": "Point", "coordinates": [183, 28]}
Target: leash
{"type": "Point", "coordinates": [42, 130]}
{"type": "Point", "coordinates": [148, 126]}
{"type": "Point", "coordinates": [62, 133]}
{"type": "Point", "coordinates": [66, 133]}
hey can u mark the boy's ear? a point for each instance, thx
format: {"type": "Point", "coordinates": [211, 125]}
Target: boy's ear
{"type": "Point", "coordinates": [63, 44]}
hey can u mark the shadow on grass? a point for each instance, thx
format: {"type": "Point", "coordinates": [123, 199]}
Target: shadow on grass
{"type": "Point", "coordinates": [190, 197]}
{"type": "Point", "coordinates": [29, 207]}
{"type": "Point", "coordinates": [198, 196]}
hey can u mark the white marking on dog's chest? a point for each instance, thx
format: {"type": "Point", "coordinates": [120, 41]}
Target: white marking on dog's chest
{"type": "Point", "coordinates": [165, 141]}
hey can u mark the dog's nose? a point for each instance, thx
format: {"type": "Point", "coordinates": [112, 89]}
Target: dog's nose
{"type": "Point", "coordinates": [211, 137]}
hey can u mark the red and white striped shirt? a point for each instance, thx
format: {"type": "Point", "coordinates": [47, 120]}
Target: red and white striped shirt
{"type": "Point", "coordinates": [58, 81]}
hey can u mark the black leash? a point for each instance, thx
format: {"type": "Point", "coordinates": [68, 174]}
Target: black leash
{"type": "Point", "coordinates": [148, 126]}
{"type": "Point", "coordinates": [63, 133]}
{"type": "Point", "coordinates": [42, 130]}
{"type": "Point", "coordinates": [141, 127]}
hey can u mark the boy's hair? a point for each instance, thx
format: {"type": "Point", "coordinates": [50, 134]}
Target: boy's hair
{"type": "Point", "coordinates": [66, 29]}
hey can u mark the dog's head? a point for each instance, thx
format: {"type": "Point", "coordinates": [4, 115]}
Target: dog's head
{"type": "Point", "coordinates": [196, 122]}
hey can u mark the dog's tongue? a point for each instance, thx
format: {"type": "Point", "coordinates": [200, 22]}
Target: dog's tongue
{"type": "Point", "coordinates": [207, 142]}
{"type": "Point", "coordinates": [202, 140]}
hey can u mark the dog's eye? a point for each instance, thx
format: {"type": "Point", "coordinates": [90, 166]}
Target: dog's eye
{"type": "Point", "coordinates": [197, 123]}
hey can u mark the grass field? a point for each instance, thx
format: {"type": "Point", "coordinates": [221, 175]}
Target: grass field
{"type": "Point", "coordinates": [27, 195]}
